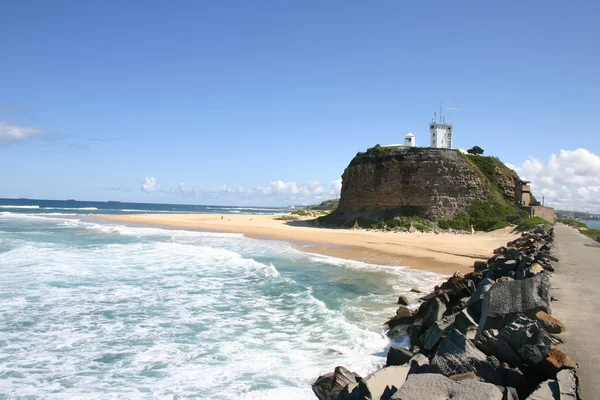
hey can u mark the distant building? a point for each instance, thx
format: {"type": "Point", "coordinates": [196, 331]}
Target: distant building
{"type": "Point", "coordinates": [533, 208]}
{"type": "Point", "coordinates": [409, 141]}
{"type": "Point", "coordinates": [522, 193]}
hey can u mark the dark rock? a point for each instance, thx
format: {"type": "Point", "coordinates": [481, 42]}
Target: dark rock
{"type": "Point", "coordinates": [434, 312]}
{"type": "Point", "coordinates": [415, 290]}
{"type": "Point", "coordinates": [521, 296]}
{"type": "Point", "coordinates": [402, 300]}
{"type": "Point", "coordinates": [398, 356]}
{"type": "Point", "coordinates": [435, 332]}
{"type": "Point", "coordinates": [489, 343]}
{"type": "Point", "coordinates": [330, 385]}
{"type": "Point", "coordinates": [398, 330]}
{"type": "Point", "coordinates": [512, 254]}
{"type": "Point", "coordinates": [498, 270]}
{"type": "Point", "coordinates": [461, 321]}
{"type": "Point", "coordinates": [415, 331]}
{"type": "Point", "coordinates": [403, 311]}
{"type": "Point", "coordinates": [436, 386]}
{"type": "Point", "coordinates": [480, 265]}
{"type": "Point", "coordinates": [527, 338]}
{"type": "Point", "coordinates": [419, 364]}
{"type": "Point", "coordinates": [458, 355]}
{"type": "Point", "coordinates": [399, 320]}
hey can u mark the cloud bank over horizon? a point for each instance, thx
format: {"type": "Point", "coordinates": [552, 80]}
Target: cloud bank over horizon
{"type": "Point", "coordinates": [569, 180]}
{"type": "Point", "coordinates": [276, 193]}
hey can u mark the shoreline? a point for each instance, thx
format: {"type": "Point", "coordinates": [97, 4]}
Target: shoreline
{"type": "Point", "coordinates": [440, 253]}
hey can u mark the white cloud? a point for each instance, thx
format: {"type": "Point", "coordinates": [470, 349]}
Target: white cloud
{"type": "Point", "coordinates": [569, 180]}
{"type": "Point", "coordinates": [13, 132]}
{"type": "Point", "coordinates": [335, 187]}
{"type": "Point", "coordinates": [150, 185]}
{"type": "Point", "coordinates": [277, 192]}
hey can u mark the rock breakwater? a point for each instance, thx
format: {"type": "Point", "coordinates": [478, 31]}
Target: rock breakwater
{"type": "Point", "coordinates": [487, 334]}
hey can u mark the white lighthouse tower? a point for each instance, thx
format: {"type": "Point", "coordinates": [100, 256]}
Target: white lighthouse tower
{"type": "Point", "coordinates": [409, 140]}
{"type": "Point", "coordinates": [440, 131]}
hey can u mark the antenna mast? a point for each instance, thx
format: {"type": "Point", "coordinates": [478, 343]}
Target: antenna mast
{"type": "Point", "coordinates": [452, 113]}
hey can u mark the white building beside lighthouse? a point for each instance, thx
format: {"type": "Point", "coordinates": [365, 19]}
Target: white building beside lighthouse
{"type": "Point", "coordinates": [441, 135]}
{"type": "Point", "coordinates": [440, 132]}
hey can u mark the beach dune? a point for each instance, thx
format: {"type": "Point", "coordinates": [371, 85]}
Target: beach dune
{"type": "Point", "coordinates": [443, 253]}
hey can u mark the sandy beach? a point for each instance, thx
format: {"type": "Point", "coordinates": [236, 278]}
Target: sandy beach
{"type": "Point", "coordinates": [442, 253]}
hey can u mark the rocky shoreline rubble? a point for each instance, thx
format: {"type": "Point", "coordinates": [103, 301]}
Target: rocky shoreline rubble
{"type": "Point", "coordinates": [486, 335]}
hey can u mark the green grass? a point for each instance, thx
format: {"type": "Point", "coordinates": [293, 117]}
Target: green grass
{"type": "Point", "coordinates": [530, 223]}
{"type": "Point", "coordinates": [484, 216]}
{"type": "Point", "coordinates": [406, 221]}
{"type": "Point", "coordinates": [287, 218]}
{"type": "Point", "coordinates": [592, 233]}
{"type": "Point", "coordinates": [572, 222]}
{"type": "Point", "coordinates": [301, 213]}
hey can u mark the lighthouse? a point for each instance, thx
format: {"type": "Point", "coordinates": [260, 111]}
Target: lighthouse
{"type": "Point", "coordinates": [409, 140]}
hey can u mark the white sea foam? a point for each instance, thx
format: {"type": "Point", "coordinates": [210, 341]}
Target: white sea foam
{"type": "Point", "coordinates": [70, 208]}
{"type": "Point", "coordinates": [143, 312]}
{"type": "Point", "coordinates": [10, 206]}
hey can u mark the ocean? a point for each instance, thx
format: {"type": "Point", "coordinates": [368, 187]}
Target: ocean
{"type": "Point", "coordinates": [74, 207]}
{"type": "Point", "coordinates": [92, 310]}
{"type": "Point", "coordinates": [592, 224]}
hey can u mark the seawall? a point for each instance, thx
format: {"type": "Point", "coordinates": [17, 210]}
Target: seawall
{"type": "Point", "coordinates": [487, 334]}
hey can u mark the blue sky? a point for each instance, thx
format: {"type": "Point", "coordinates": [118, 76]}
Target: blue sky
{"type": "Point", "coordinates": [266, 102]}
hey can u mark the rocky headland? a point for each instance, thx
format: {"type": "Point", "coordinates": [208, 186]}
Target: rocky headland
{"type": "Point", "coordinates": [486, 335]}
{"type": "Point", "coordinates": [425, 187]}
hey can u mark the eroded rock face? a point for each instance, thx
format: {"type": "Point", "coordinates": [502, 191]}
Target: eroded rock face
{"type": "Point", "coordinates": [434, 183]}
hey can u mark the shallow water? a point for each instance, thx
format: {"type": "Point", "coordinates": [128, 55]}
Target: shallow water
{"type": "Point", "coordinates": [101, 311]}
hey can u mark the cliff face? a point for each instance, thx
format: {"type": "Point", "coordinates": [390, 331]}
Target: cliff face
{"type": "Point", "coordinates": [435, 184]}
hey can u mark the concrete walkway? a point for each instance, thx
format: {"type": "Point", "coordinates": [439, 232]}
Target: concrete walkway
{"type": "Point", "coordinates": [576, 285]}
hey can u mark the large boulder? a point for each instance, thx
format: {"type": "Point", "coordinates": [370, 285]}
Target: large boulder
{"type": "Point", "coordinates": [458, 355]}
{"type": "Point", "coordinates": [398, 356]}
{"type": "Point", "coordinates": [436, 386]}
{"type": "Point", "coordinates": [403, 311]}
{"type": "Point", "coordinates": [521, 340]}
{"type": "Point", "coordinates": [329, 386]}
{"type": "Point", "coordinates": [403, 301]}
{"type": "Point", "coordinates": [435, 311]}
{"type": "Point", "coordinates": [461, 321]}
{"type": "Point", "coordinates": [474, 303]}
{"type": "Point", "coordinates": [490, 344]}
{"type": "Point", "coordinates": [564, 387]}
{"type": "Point", "coordinates": [385, 381]}
{"type": "Point", "coordinates": [521, 296]}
